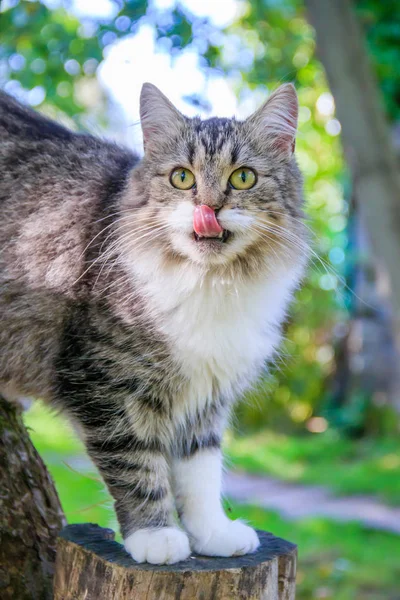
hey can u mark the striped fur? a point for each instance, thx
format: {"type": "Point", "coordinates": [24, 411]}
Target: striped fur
{"type": "Point", "coordinates": [113, 314]}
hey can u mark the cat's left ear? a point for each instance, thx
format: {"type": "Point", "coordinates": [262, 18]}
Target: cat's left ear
{"type": "Point", "coordinates": [160, 120]}
{"type": "Point", "coordinates": [275, 122]}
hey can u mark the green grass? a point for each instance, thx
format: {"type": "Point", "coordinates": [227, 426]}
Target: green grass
{"type": "Point", "coordinates": [346, 466]}
{"type": "Point", "coordinates": [336, 561]}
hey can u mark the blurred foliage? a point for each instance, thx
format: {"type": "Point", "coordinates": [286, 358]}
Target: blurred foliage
{"type": "Point", "coordinates": [46, 52]}
{"type": "Point", "coordinates": [48, 57]}
{"type": "Point", "coordinates": [368, 467]}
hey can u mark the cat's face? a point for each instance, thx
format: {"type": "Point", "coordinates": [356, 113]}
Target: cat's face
{"type": "Point", "coordinates": [218, 190]}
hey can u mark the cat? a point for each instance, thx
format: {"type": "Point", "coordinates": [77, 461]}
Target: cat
{"type": "Point", "coordinates": [142, 296]}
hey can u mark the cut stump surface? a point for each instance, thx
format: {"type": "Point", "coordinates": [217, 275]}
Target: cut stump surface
{"type": "Point", "coordinates": [90, 565]}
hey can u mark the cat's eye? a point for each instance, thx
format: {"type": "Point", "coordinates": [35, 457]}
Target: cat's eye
{"type": "Point", "coordinates": [243, 178]}
{"type": "Point", "coordinates": [181, 178]}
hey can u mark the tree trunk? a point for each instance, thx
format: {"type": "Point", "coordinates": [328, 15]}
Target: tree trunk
{"type": "Point", "coordinates": [91, 566]}
{"type": "Point", "coordinates": [365, 134]}
{"type": "Point", "coordinates": [366, 377]}
{"type": "Point", "coordinates": [30, 514]}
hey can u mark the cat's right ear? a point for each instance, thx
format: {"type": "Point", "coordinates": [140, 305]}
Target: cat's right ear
{"type": "Point", "coordinates": [159, 118]}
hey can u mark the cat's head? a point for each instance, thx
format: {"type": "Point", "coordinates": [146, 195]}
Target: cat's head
{"type": "Point", "coordinates": [218, 192]}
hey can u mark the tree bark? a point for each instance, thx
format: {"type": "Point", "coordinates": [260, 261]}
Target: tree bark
{"type": "Point", "coordinates": [90, 566]}
{"type": "Point", "coordinates": [367, 377]}
{"type": "Point", "coordinates": [30, 514]}
{"type": "Point", "coordinates": [365, 133]}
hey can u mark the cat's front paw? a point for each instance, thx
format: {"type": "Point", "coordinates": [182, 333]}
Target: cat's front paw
{"type": "Point", "coordinates": [163, 546]}
{"type": "Point", "coordinates": [230, 538]}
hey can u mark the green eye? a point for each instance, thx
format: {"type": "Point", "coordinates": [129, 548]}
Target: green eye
{"type": "Point", "coordinates": [243, 178]}
{"type": "Point", "coordinates": [183, 179]}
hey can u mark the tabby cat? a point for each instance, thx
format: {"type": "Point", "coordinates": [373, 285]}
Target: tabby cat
{"type": "Point", "coordinates": [142, 296]}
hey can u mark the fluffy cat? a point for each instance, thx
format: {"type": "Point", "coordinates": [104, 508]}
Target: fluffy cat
{"type": "Point", "coordinates": [142, 296]}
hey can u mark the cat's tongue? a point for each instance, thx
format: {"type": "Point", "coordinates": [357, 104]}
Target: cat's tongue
{"type": "Point", "coordinates": [205, 222]}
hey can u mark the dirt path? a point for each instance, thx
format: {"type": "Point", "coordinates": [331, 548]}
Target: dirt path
{"type": "Point", "coordinates": [294, 501]}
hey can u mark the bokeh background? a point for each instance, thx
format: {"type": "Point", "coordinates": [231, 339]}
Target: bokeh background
{"type": "Point", "coordinates": [328, 411]}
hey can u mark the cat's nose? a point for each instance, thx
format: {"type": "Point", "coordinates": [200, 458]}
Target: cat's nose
{"type": "Point", "coordinates": [214, 202]}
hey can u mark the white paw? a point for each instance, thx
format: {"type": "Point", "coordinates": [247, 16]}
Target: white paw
{"type": "Point", "coordinates": [230, 538]}
{"type": "Point", "coordinates": [163, 546]}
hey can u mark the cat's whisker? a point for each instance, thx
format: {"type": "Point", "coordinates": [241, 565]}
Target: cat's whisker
{"type": "Point", "coordinates": [329, 270]}
{"type": "Point", "coordinates": [294, 240]}
{"type": "Point", "coordinates": [131, 219]}
{"type": "Point", "coordinates": [278, 230]}
{"type": "Point", "coordinates": [133, 234]}
{"type": "Point", "coordinates": [128, 245]}
{"type": "Point", "coordinates": [300, 221]}
{"type": "Point", "coordinates": [103, 256]}
{"type": "Point", "coordinates": [124, 247]}
{"type": "Point", "coordinates": [272, 242]}
{"type": "Point", "coordinates": [96, 236]}
{"type": "Point", "coordinates": [285, 246]}
{"type": "Point", "coordinates": [130, 241]}
{"type": "Point", "coordinates": [270, 246]}
{"type": "Point", "coordinates": [116, 232]}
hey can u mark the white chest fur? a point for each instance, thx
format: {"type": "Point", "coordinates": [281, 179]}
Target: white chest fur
{"type": "Point", "coordinates": [220, 332]}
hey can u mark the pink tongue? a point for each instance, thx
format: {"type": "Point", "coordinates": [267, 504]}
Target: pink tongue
{"type": "Point", "coordinates": [205, 222]}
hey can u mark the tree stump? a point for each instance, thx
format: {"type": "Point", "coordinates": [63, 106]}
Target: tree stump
{"type": "Point", "coordinates": [90, 565]}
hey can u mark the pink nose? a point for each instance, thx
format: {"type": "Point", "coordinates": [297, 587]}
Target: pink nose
{"type": "Point", "coordinates": [205, 222]}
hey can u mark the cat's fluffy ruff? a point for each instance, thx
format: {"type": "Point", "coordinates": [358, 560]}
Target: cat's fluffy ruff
{"type": "Point", "coordinates": [112, 312]}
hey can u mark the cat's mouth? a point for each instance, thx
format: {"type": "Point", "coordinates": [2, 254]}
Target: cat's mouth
{"type": "Point", "coordinates": [221, 237]}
